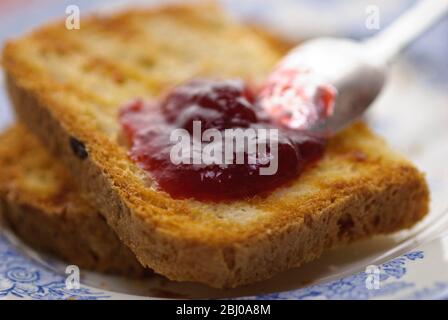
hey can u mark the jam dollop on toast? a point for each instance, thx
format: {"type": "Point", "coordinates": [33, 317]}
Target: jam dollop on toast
{"type": "Point", "coordinates": [213, 108]}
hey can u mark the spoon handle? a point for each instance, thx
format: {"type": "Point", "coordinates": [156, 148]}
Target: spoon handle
{"type": "Point", "coordinates": [388, 43]}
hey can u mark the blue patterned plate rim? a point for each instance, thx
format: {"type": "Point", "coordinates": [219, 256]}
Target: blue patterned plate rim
{"type": "Point", "coordinates": [24, 277]}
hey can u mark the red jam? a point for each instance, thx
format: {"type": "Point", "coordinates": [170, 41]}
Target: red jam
{"type": "Point", "coordinates": [218, 107]}
{"type": "Point", "coordinates": [296, 99]}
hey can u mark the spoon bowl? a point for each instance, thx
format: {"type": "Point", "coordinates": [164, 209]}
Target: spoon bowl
{"type": "Point", "coordinates": [325, 84]}
{"type": "Point", "coordinates": [357, 77]}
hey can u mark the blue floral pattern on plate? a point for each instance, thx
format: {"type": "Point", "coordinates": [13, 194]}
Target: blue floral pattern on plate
{"type": "Point", "coordinates": [354, 286]}
{"type": "Point", "coordinates": [22, 277]}
{"type": "Point", "coordinates": [26, 278]}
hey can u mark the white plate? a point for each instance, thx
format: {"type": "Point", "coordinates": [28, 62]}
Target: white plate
{"type": "Point", "coordinates": [411, 114]}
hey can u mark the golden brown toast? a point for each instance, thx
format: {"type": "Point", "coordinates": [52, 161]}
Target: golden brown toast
{"type": "Point", "coordinates": [67, 87]}
{"type": "Point", "coordinates": [39, 202]}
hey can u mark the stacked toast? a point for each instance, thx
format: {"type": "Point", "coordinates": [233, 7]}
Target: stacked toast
{"type": "Point", "coordinates": [67, 184]}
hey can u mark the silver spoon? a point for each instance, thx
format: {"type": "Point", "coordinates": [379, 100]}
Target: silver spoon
{"type": "Point", "coordinates": [325, 84]}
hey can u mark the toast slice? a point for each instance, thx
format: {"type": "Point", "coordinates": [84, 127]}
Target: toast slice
{"type": "Point", "coordinates": [67, 87]}
{"type": "Point", "coordinates": [39, 202]}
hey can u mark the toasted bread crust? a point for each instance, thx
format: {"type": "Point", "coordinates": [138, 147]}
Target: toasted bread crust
{"type": "Point", "coordinates": [359, 189]}
{"type": "Point", "coordinates": [39, 202]}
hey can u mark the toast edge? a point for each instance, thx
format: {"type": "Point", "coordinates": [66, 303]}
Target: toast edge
{"type": "Point", "coordinates": [58, 222]}
{"type": "Point", "coordinates": [41, 232]}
